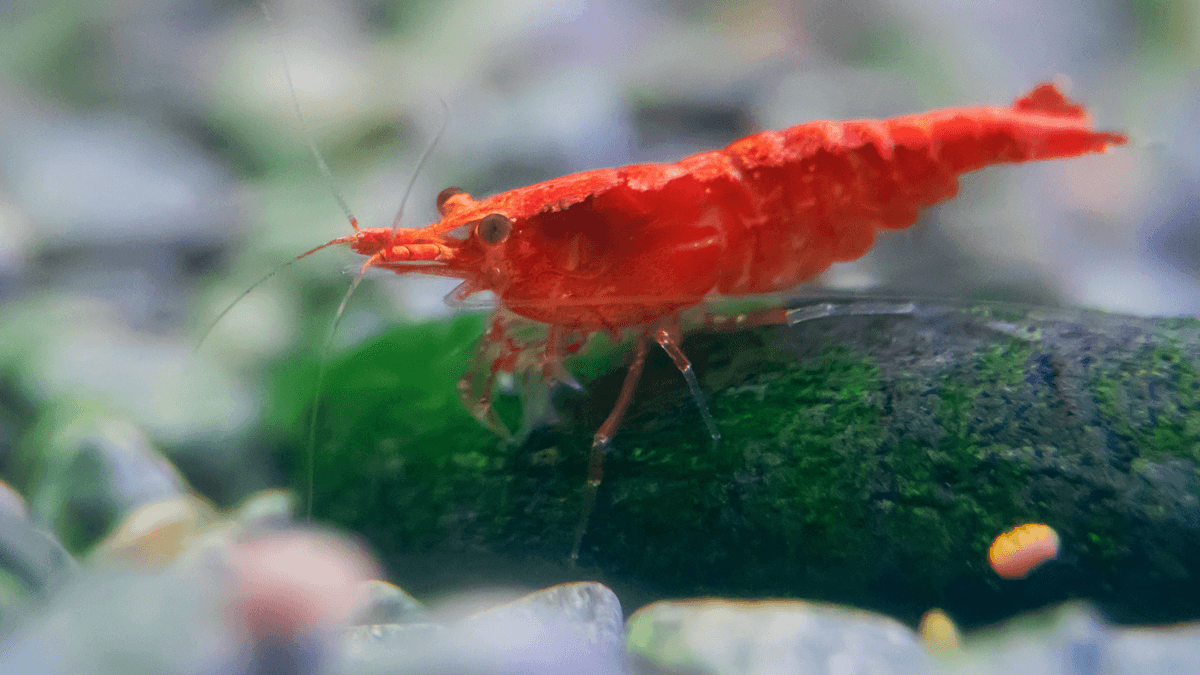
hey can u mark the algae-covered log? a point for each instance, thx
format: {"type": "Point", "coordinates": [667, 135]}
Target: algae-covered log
{"type": "Point", "coordinates": [865, 459]}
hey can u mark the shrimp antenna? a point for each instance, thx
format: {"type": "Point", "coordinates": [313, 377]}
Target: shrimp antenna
{"type": "Point", "coordinates": [326, 174]}
{"type": "Point", "coordinates": [311, 452]}
{"type": "Point", "coordinates": [230, 306]}
{"type": "Point", "coordinates": [412, 181]}
{"type": "Point", "coordinates": [260, 282]}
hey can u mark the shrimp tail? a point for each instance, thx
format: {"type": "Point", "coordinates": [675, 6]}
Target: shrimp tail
{"type": "Point", "coordinates": [819, 191]}
{"type": "Point", "coordinates": [1045, 99]}
{"type": "Point", "coordinates": [1042, 124]}
{"type": "Point", "coordinates": [1048, 100]}
{"type": "Point", "coordinates": [929, 151]}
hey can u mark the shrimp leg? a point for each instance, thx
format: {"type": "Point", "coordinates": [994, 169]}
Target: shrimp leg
{"type": "Point", "coordinates": [493, 352]}
{"type": "Point", "coordinates": [558, 347]}
{"type": "Point", "coordinates": [790, 317]}
{"type": "Point", "coordinates": [603, 439]}
{"type": "Point", "coordinates": [668, 338]}
{"type": "Point", "coordinates": [666, 334]}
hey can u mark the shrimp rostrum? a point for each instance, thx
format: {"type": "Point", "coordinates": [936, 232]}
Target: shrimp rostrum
{"type": "Point", "coordinates": [625, 250]}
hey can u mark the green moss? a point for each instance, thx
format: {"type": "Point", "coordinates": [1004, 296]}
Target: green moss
{"type": "Point", "coordinates": [856, 455]}
{"type": "Point", "coordinates": [1153, 402]}
{"type": "Point", "coordinates": [1014, 314]}
{"type": "Point", "coordinates": [831, 482]}
{"type": "Point", "coordinates": [959, 492]}
{"type": "Point", "coordinates": [1105, 539]}
{"type": "Point", "coordinates": [392, 435]}
{"type": "Point", "coordinates": [816, 419]}
{"type": "Point", "coordinates": [795, 430]}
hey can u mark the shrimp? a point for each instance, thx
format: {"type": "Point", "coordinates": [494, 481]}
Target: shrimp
{"type": "Point", "coordinates": [626, 250]}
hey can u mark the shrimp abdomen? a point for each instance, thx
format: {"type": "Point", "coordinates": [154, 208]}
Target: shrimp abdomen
{"type": "Point", "coordinates": [816, 193]}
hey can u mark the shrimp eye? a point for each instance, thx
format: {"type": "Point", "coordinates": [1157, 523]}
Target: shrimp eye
{"type": "Point", "coordinates": [494, 228]}
{"type": "Point", "coordinates": [444, 196]}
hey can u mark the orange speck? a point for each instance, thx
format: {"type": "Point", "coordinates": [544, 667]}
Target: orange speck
{"type": "Point", "coordinates": [1015, 553]}
{"type": "Point", "coordinates": [939, 633]}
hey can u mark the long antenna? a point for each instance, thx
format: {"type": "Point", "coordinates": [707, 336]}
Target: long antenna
{"type": "Point", "coordinates": [311, 453]}
{"type": "Point", "coordinates": [230, 306]}
{"type": "Point", "coordinates": [326, 174]}
{"type": "Point", "coordinates": [412, 181]}
{"type": "Point", "coordinates": [260, 282]}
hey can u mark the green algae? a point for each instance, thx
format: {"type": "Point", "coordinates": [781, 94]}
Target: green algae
{"type": "Point", "coordinates": [831, 482]}
{"type": "Point", "coordinates": [392, 439]}
{"type": "Point", "coordinates": [1153, 401]}
{"type": "Point", "coordinates": [860, 462]}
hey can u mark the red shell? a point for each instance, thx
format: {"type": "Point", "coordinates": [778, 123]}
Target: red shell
{"type": "Point", "coordinates": [613, 248]}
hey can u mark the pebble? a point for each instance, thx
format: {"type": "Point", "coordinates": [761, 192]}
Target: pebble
{"type": "Point", "coordinates": [770, 637]}
{"type": "Point", "coordinates": [284, 603]}
{"type": "Point", "coordinates": [570, 628]}
{"type": "Point", "coordinates": [296, 582]}
{"type": "Point", "coordinates": [1016, 553]}
{"type": "Point", "coordinates": [153, 535]}
{"type": "Point", "coordinates": [388, 604]}
{"type": "Point", "coordinates": [92, 472]}
{"type": "Point", "coordinates": [939, 633]}
{"type": "Point", "coordinates": [266, 510]}
{"type": "Point", "coordinates": [11, 501]}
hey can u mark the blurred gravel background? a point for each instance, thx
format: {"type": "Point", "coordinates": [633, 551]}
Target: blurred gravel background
{"type": "Point", "coordinates": [152, 167]}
